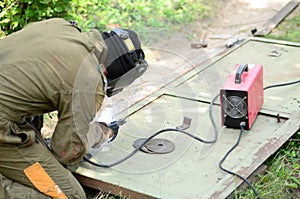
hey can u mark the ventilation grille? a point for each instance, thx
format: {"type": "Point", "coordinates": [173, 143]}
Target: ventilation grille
{"type": "Point", "coordinates": [235, 106]}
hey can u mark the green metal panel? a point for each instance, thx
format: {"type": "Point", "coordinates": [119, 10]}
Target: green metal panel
{"type": "Point", "coordinates": [191, 171]}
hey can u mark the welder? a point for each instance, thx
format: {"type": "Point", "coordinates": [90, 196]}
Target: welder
{"type": "Point", "coordinates": [49, 66]}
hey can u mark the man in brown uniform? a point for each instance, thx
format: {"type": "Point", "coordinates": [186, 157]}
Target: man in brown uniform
{"type": "Point", "coordinates": [52, 66]}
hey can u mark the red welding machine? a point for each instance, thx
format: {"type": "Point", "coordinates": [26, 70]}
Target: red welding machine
{"type": "Point", "coordinates": [242, 96]}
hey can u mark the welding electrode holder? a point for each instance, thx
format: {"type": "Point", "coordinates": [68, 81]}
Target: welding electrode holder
{"type": "Point", "coordinates": [114, 126]}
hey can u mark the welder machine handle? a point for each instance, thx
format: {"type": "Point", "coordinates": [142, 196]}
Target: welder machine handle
{"type": "Point", "coordinates": [238, 76]}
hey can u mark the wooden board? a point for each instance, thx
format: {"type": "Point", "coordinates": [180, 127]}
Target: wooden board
{"type": "Point", "coordinates": [191, 171]}
{"type": "Point", "coordinates": [276, 19]}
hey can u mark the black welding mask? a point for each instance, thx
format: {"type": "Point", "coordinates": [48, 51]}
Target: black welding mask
{"type": "Point", "coordinates": [125, 59]}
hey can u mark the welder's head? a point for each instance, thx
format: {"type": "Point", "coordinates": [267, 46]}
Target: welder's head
{"type": "Point", "coordinates": [125, 59]}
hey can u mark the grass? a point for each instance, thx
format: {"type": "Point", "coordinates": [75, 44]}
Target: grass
{"type": "Point", "coordinates": [282, 178]}
{"type": "Point", "coordinates": [289, 29]}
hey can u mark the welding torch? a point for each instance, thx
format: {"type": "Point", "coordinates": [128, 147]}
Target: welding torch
{"type": "Point", "coordinates": [114, 126]}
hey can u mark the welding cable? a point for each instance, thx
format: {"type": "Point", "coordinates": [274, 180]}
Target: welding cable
{"type": "Point", "coordinates": [88, 157]}
{"type": "Point", "coordinates": [236, 174]}
{"type": "Point", "coordinates": [283, 84]}
{"type": "Point", "coordinates": [212, 118]}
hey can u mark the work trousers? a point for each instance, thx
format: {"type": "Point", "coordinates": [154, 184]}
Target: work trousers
{"type": "Point", "coordinates": [14, 160]}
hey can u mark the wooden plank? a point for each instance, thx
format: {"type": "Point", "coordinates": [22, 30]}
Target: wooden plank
{"type": "Point", "coordinates": [276, 19]}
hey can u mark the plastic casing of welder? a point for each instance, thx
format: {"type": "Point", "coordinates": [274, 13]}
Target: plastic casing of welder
{"type": "Point", "coordinates": [252, 86]}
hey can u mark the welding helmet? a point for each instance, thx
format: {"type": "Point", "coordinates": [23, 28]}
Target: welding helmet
{"type": "Point", "coordinates": [125, 59]}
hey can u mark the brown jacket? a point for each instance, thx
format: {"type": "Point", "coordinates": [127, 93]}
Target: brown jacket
{"type": "Point", "coordinates": [47, 66]}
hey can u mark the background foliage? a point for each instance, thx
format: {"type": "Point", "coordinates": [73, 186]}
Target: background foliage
{"type": "Point", "coordinates": [15, 14]}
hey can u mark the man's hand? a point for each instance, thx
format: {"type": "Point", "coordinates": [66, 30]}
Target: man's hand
{"type": "Point", "coordinates": [98, 134]}
{"type": "Point", "coordinates": [107, 119]}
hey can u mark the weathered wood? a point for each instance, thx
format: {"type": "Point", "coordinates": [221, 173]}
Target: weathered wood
{"type": "Point", "coordinates": [276, 19]}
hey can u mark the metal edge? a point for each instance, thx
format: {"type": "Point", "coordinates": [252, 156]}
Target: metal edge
{"type": "Point", "coordinates": [110, 188]}
{"type": "Point", "coordinates": [274, 41]}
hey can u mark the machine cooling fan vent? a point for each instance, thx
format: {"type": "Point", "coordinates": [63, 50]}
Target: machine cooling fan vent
{"type": "Point", "coordinates": [235, 106]}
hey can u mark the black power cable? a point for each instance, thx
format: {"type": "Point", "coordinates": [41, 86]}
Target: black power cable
{"type": "Point", "coordinates": [88, 159]}
{"type": "Point", "coordinates": [283, 84]}
{"type": "Point", "coordinates": [228, 152]}
{"type": "Point", "coordinates": [143, 144]}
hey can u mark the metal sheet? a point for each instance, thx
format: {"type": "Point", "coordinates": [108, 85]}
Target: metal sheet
{"type": "Point", "coordinates": [191, 170]}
